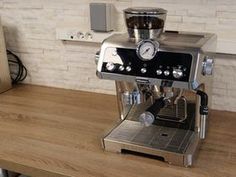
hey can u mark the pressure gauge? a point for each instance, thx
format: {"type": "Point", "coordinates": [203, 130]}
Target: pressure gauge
{"type": "Point", "coordinates": [147, 49]}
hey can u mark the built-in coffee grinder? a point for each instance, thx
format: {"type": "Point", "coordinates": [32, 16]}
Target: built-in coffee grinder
{"type": "Point", "coordinates": [163, 84]}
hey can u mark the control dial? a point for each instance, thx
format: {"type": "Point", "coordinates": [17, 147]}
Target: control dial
{"type": "Point", "coordinates": [166, 72]}
{"type": "Point", "coordinates": [110, 66]}
{"type": "Point", "coordinates": [128, 68]}
{"type": "Point", "coordinates": [177, 73]}
{"type": "Point", "coordinates": [147, 49]}
{"type": "Point", "coordinates": [158, 72]}
{"type": "Point", "coordinates": [143, 70]}
{"type": "Point", "coordinates": [121, 68]}
{"type": "Point", "coordinates": [207, 66]}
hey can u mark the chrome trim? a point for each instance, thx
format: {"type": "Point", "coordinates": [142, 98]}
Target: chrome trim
{"type": "Point", "coordinates": [203, 126]}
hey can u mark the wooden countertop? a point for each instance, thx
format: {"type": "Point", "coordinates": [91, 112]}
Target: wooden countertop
{"type": "Point", "coordinates": [48, 132]}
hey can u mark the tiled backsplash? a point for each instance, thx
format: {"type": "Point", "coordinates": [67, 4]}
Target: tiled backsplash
{"type": "Point", "coordinates": [30, 29]}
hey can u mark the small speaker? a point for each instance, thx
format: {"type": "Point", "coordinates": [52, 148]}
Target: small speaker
{"type": "Point", "coordinates": [101, 17]}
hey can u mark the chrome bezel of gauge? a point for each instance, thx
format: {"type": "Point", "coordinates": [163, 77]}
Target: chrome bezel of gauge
{"type": "Point", "coordinates": [154, 43]}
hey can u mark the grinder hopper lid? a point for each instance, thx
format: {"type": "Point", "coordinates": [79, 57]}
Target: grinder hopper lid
{"type": "Point", "coordinates": [145, 11]}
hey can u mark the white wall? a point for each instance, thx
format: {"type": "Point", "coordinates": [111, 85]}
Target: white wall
{"type": "Point", "coordinates": [30, 29]}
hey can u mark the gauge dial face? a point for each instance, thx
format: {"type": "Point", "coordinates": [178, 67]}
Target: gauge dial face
{"type": "Point", "coordinates": [147, 50]}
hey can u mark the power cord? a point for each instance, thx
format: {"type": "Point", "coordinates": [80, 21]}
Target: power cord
{"type": "Point", "coordinates": [18, 71]}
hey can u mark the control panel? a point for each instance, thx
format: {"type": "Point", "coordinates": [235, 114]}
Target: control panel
{"type": "Point", "coordinates": [164, 65]}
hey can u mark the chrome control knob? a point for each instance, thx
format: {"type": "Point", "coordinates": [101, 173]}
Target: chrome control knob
{"type": "Point", "coordinates": [166, 72]}
{"type": "Point", "coordinates": [143, 70]}
{"type": "Point", "coordinates": [121, 68]}
{"type": "Point", "coordinates": [128, 68]}
{"type": "Point", "coordinates": [159, 72]}
{"type": "Point", "coordinates": [110, 66]}
{"type": "Point", "coordinates": [207, 66]}
{"type": "Point", "coordinates": [177, 73]}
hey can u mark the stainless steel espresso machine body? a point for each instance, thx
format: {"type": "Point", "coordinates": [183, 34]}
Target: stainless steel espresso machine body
{"type": "Point", "coordinates": [163, 84]}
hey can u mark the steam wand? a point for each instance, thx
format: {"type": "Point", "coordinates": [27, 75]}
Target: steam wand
{"type": "Point", "coordinates": [203, 113]}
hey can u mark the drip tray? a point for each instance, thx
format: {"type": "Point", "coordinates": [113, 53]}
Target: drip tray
{"type": "Point", "coordinates": [170, 143]}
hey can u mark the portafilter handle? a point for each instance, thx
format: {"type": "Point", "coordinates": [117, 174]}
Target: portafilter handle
{"type": "Point", "coordinates": [148, 117]}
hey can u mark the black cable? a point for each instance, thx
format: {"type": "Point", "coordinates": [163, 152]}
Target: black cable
{"type": "Point", "coordinates": [15, 61]}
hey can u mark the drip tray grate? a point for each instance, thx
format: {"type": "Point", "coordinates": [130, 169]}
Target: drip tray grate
{"type": "Point", "coordinates": [155, 137]}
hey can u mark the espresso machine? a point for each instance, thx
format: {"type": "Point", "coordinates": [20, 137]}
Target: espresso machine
{"type": "Point", "coordinates": [163, 85]}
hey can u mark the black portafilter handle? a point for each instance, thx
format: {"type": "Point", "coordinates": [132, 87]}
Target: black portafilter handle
{"type": "Point", "coordinates": [156, 107]}
{"type": "Point", "coordinates": [149, 116]}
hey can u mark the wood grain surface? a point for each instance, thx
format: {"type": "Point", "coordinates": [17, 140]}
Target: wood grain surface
{"type": "Point", "coordinates": [48, 132]}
